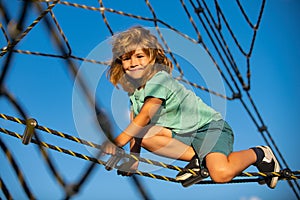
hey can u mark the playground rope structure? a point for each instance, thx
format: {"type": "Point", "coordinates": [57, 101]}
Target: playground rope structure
{"type": "Point", "coordinates": [210, 18]}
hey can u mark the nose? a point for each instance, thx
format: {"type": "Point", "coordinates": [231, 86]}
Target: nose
{"type": "Point", "coordinates": [134, 61]}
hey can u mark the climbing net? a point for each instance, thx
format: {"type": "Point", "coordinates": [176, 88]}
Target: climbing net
{"type": "Point", "coordinates": [210, 29]}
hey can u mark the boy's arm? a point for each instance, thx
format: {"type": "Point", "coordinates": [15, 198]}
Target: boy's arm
{"type": "Point", "coordinates": [135, 149]}
{"type": "Point", "coordinates": [135, 144]}
{"type": "Point", "coordinates": [136, 127]}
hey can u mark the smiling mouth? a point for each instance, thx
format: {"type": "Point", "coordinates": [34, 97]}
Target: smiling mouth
{"type": "Point", "coordinates": [132, 70]}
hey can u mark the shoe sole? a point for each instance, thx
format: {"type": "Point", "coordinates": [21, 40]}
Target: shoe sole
{"type": "Point", "coordinates": [183, 177]}
{"type": "Point", "coordinates": [191, 181]}
{"type": "Point", "coordinates": [276, 169]}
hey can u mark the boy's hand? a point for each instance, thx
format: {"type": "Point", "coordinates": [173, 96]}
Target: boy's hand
{"type": "Point", "coordinates": [109, 148]}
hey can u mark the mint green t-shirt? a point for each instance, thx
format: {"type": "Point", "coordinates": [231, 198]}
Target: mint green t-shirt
{"type": "Point", "coordinates": [182, 111]}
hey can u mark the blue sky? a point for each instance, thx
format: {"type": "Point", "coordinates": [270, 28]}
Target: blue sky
{"type": "Point", "coordinates": [46, 90]}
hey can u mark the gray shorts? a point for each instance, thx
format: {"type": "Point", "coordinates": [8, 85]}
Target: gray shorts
{"type": "Point", "coordinates": [216, 136]}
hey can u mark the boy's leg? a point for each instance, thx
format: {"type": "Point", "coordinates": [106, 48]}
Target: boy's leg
{"type": "Point", "coordinates": [162, 143]}
{"type": "Point", "coordinates": [224, 168]}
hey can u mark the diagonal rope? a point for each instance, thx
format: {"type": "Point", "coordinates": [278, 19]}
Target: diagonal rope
{"type": "Point", "coordinates": [17, 171]}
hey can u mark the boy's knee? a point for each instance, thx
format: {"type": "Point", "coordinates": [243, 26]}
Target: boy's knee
{"type": "Point", "coordinates": [145, 142]}
{"type": "Point", "coordinates": [221, 175]}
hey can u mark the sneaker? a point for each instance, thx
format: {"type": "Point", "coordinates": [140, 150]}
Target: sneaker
{"type": "Point", "coordinates": [193, 165]}
{"type": "Point", "coordinates": [268, 164]}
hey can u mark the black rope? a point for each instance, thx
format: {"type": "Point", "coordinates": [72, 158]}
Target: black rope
{"type": "Point", "coordinates": [5, 190]}
{"type": "Point", "coordinates": [17, 170]}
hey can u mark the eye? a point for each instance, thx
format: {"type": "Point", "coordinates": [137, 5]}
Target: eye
{"type": "Point", "coordinates": [140, 56]}
{"type": "Point", "coordinates": [125, 58]}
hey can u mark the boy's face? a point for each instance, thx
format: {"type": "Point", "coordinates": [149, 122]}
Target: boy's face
{"type": "Point", "coordinates": [135, 62]}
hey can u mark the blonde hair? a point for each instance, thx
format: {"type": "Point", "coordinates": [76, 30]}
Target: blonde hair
{"type": "Point", "coordinates": [127, 42]}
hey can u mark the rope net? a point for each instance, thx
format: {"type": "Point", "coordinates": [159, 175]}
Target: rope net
{"type": "Point", "coordinates": [203, 23]}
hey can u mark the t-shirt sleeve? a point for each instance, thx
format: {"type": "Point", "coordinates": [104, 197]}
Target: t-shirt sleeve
{"type": "Point", "coordinates": [159, 86]}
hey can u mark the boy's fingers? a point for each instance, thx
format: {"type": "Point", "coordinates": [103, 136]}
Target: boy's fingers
{"type": "Point", "coordinates": [108, 148]}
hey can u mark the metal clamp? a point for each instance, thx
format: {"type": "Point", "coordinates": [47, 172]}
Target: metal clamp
{"type": "Point", "coordinates": [29, 130]}
{"type": "Point", "coordinates": [114, 159]}
{"type": "Point", "coordinates": [196, 179]}
{"type": "Point", "coordinates": [287, 173]}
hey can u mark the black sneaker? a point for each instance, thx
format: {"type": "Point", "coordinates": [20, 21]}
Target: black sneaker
{"type": "Point", "coordinates": [268, 164]}
{"type": "Point", "coordinates": [194, 166]}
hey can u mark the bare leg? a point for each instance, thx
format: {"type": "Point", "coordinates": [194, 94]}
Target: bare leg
{"type": "Point", "coordinates": [223, 169]}
{"type": "Point", "coordinates": [161, 143]}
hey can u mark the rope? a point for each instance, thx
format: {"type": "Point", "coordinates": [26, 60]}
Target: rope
{"type": "Point", "coordinates": [5, 190]}
{"type": "Point", "coordinates": [18, 172]}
